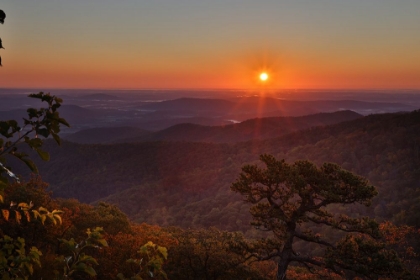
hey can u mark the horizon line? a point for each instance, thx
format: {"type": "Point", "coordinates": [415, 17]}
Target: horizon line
{"type": "Point", "coordinates": [217, 89]}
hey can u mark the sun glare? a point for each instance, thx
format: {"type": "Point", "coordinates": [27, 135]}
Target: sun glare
{"type": "Point", "coordinates": [263, 76]}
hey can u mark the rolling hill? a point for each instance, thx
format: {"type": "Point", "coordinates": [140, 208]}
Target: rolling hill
{"type": "Point", "coordinates": [105, 134]}
{"type": "Point", "coordinates": [187, 184]}
{"type": "Point", "coordinates": [261, 128]}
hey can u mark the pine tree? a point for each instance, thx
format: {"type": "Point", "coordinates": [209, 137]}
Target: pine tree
{"type": "Point", "coordinates": [290, 200]}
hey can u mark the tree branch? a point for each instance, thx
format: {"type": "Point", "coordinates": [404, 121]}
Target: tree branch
{"type": "Point", "coordinates": [344, 228]}
{"type": "Point", "coordinates": [17, 141]}
{"type": "Point", "coordinates": [306, 260]}
{"type": "Point", "coordinates": [313, 240]}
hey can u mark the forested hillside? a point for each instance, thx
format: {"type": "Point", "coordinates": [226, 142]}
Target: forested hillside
{"type": "Point", "coordinates": [253, 129]}
{"type": "Point", "coordinates": [259, 128]}
{"type": "Point", "coordinates": [106, 134]}
{"type": "Point", "coordinates": [187, 184]}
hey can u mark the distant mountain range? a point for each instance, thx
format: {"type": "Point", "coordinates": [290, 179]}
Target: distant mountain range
{"type": "Point", "coordinates": [187, 183]}
{"type": "Point", "coordinates": [266, 106]}
{"type": "Point", "coordinates": [108, 110]}
{"type": "Point", "coordinates": [253, 129]}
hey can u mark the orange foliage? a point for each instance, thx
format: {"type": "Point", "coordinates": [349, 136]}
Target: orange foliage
{"type": "Point", "coordinates": [124, 246]}
{"type": "Point", "coordinates": [404, 240]}
{"type": "Point", "coordinates": [300, 273]}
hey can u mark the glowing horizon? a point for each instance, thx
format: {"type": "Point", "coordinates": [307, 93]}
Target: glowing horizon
{"type": "Point", "coordinates": [210, 45]}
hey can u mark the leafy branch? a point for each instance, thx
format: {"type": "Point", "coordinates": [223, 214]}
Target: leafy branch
{"type": "Point", "coordinates": [78, 262]}
{"type": "Point", "coordinates": [149, 265]}
{"type": "Point", "coordinates": [23, 210]}
{"type": "Point", "coordinates": [15, 262]}
{"type": "Point", "coordinates": [39, 122]}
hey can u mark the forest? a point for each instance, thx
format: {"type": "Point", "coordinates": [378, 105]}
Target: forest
{"type": "Point", "coordinates": [329, 201]}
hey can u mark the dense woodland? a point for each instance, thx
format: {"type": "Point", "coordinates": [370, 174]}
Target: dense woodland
{"type": "Point", "coordinates": [167, 210]}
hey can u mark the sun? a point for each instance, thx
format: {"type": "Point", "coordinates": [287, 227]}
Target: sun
{"type": "Point", "coordinates": [263, 76]}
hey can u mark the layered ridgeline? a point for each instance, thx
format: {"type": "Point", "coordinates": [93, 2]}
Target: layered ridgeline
{"type": "Point", "coordinates": [187, 184]}
{"type": "Point", "coordinates": [153, 112]}
{"type": "Point", "coordinates": [253, 129]}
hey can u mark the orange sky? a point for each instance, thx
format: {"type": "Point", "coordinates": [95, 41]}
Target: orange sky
{"type": "Point", "coordinates": [211, 44]}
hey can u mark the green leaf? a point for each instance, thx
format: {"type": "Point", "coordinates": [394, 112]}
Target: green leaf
{"type": "Point", "coordinates": [120, 276]}
{"type": "Point", "coordinates": [43, 218]}
{"type": "Point", "coordinates": [23, 205]}
{"type": "Point", "coordinates": [102, 242]}
{"type": "Point", "coordinates": [42, 210]}
{"type": "Point", "coordinates": [51, 217]}
{"type": "Point", "coordinates": [44, 132]}
{"type": "Point", "coordinates": [56, 138]}
{"type": "Point", "coordinates": [63, 121]}
{"type": "Point", "coordinates": [163, 251]}
{"type": "Point", "coordinates": [36, 214]}
{"type": "Point", "coordinates": [44, 155]}
{"type": "Point", "coordinates": [86, 269]}
{"type": "Point", "coordinates": [34, 143]}
{"type": "Point", "coordinates": [30, 164]}
{"type": "Point", "coordinates": [88, 259]}
{"type": "Point", "coordinates": [29, 268]}
{"type": "Point", "coordinates": [32, 113]}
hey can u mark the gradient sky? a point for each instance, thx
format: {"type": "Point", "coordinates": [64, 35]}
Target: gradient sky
{"type": "Point", "coordinates": [211, 43]}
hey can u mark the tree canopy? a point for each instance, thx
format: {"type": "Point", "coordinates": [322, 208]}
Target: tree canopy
{"type": "Point", "coordinates": [2, 17]}
{"type": "Point", "coordinates": [292, 202]}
